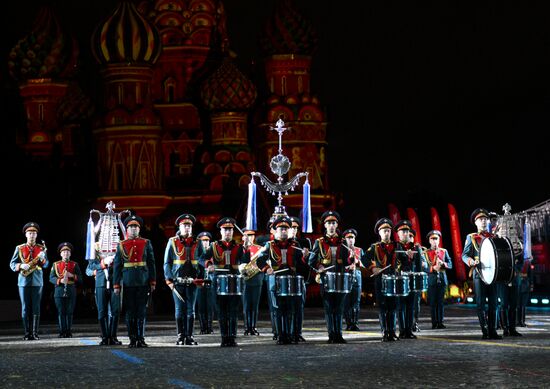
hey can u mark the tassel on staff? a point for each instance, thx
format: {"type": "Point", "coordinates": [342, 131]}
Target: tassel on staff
{"type": "Point", "coordinates": [251, 219]}
{"type": "Point", "coordinates": [90, 240]}
{"type": "Point", "coordinates": [306, 209]}
{"type": "Point", "coordinates": [527, 254]}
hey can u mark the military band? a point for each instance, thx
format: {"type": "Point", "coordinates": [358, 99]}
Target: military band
{"type": "Point", "coordinates": [285, 261]}
{"type": "Point", "coordinates": [65, 275]}
{"type": "Point", "coordinates": [28, 260]}
{"type": "Point", "coordinates": [135, 278]}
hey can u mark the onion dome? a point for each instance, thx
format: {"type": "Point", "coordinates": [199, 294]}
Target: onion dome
{"type": "Point", "coordinates": [126, 37]}
{"type": "Point", "coordinates": [288, 32]}
{"type": "Point", "coordinates": [46, 52]}
{"type": "Point", "coordinates": [186, 23]}
{"type": "Point", "coordinates": [228, 89]}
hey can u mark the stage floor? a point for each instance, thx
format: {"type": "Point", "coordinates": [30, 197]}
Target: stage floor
{"type": "Point", "coordinates": [453, 357]}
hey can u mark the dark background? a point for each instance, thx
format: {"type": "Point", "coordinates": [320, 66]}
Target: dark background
{"type": "Point", "coordinates": [428, 103]}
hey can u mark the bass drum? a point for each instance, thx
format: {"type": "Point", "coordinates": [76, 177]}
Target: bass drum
{"type": "Point", "coordinates": [496, 260]}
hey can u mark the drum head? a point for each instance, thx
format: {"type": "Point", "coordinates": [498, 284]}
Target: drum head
{"type": "Point", "coordinates": [487, 260]}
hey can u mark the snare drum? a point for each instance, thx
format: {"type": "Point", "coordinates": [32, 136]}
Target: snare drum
{"type": "Point", "coordinates": [337, 282]}
{"type": "Point", "coordinates": [418, 281]}
{"type": "Point", "coordinates": [395, 285]}
{"type": "Point", "coordinates": [496, 259]}
{"type": "Point", "coordinates": [229, 285]}
{"type": "Point", "coordinates": [286, 286]}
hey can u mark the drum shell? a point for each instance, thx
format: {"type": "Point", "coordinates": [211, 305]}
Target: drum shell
{"type": "Point", "coordinates": [503, 255]}
{"type": "Point", "coordinates": [337, 282]}
{"type": "Point", "coordinates": [229, 285]}
{"type": "Point", "coordinates": [418, 281]}
{"type": "Point", "coordinates": [288, 286]}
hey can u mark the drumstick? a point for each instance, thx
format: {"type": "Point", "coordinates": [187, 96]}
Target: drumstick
{"type": "Point", "coordinates": [372, 275]}
{"type": "Point", "coordinates": [221, 269]}
{"type": "Point", "coordinates": [324, 270]}
{"type": "Point", "coordinates": [279, 271]}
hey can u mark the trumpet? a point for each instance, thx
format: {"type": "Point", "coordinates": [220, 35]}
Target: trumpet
{"type": "Point", "coordinates": [34, 263]}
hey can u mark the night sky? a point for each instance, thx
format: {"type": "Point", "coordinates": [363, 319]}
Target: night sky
{"type": "Point", "coordinates": [402, 76]}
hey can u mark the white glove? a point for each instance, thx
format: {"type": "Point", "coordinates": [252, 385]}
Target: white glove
{"type": "Point", "coordinates": [241, 268]}
{"type": "Point", "coordinates": [108, 260]}
{"type": "Point", "coordinates": [24, 266]}
{"type": "Point", "coordinates": [69, 274]}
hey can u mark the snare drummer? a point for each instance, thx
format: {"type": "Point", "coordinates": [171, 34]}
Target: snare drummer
{"type": "Point", "coordinates": [381, 256]}
{"type": "Point", "coordinates": [277, 255]}
{"type": "Point", "coordinates": [470, 256]}
{"type": "Point", "coordinates": [438, 261]}
{"type": "Point", "coordinates": [225, 254]}
{"type": "Point", "coordinates": [180, 267]}
{"type": "Point", "coordinates": [329, 251]}
{"type": "Point", "coordinates": [409, 259]}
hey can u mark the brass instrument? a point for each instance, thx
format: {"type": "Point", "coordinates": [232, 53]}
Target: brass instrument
{"type": "Point", "coordinates": [34, 262]}
{"type": "Point", "coordinates": [251, 268]}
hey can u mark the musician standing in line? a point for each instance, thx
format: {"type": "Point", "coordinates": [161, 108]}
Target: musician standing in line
{"type": "Point", "coordinates": [225, 254]}
{"type": "Point", "coordinates": [181, 267]}
{"type": "Point", "coordinates": [252, 284]}
{"type": "Point", "coordinates": [328, 251]}
{"type": "Point", "coordinates": [381, 255]}
{"type": "Point", "coordinates": [28, 260]}
{"type": "Point", "coordinates": [438, 261]}
{"type": "Point", "coordinates": [107, 301]}
{"type": "Point", "coordinates": [304, 271]}
{"type": "Point", "coordinates": [135, 271]}
{"type": "Point", "coordinates": [410, 261]}
{"type": "Point", "coordinates": [279, 255]}
{"type": "Point", "coordinates": [353, 299]}
{"type": "Point", "coordinates": [206, 296]}
{"type": "Point", "coordinates": [64, 275]}
{"type": "Point", "coordinates": [470, 256]}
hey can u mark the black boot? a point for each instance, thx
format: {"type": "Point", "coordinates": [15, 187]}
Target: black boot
{"type": "Point", "coordinates": [132, 333]}
{"type": "Point", "coordinates": [141, 333]}
{"type": "Point", "coordinates": [181, 331]}
{"type": "Point", "coordinates": [523, 309]}
{"type": "Point", "coordinates": [254, 321]}
{"type": "Point", "coordinates": [503, 314]}
{"type": "Point", "coordinates": [189, 337]}
{"type": "Point", "coordinates": [512, 327]}
{"type": "Point", "coordinates": [232, 331]}
{"type": "Point", "coordinates": [209, 323]}
{"type": "Point", "coordinates": [355, 320]}
{"type": "Point", "coordinates": [61, 324]}
{"type": "Point", "coordinates": [69, 326]}
{"type": "Point", "coordinates": [224, 332]}
{"type": "Point", "coordinates": [113, 328]}
{"type": "Point", "coordinates": [247, 323]}
{"type": "Point", "coordinates": [348, 317]}
{"type": "Point", "coordinates": [338, 338]}
{"type": "Point", "coordinates": [103, 325]}
{"type": "Point", "coordinates": [492, 326]}
{"type": "Point", "coordinates": [330, 328]}
{"type": "Point", "coordinates": [27, 327]}
{"type": "Point", "coordinates": [281, 329]}
{"type": "Point", "coordinates": [483, 325]}
{"type": "Point", "coordinates": [35, 326]}
{"type": "Point", "coordinates": [203, 323]}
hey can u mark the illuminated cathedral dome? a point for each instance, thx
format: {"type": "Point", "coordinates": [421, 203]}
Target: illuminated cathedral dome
{"type": "Point", "coordinates": [46, 52]}
{"type": "Point", "coordinates": [288, 32]}
{"type": "Point", "coordinates": [228, 89]}
{"type": "Point", "coordinates": [126, 37]}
